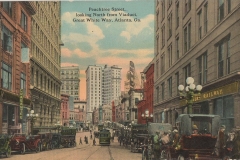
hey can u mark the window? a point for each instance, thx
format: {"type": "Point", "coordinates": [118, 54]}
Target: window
{"type": "Point", "coordinates": [8, 7]}
{"type": "Point", "coordinates": [169, 3]}
{"type": "Point", "coordinates": [157, 69]}
{"type": "Point", "coordinates": [224, 107]}
{"type": "Point", "coordinates": [229, 5]}
{"type": "Point", "coordinates": [23, 83]}
{"type": "Point", "coordinates": [170, 56]}
{"type": "Point", "coordinates": [205, 18]}
{"type": "Point", "coordinates": [220, 60]}
{"type": "Point", "coordinates": [157, 98]}
{"type": "Point", "coordinates": [187, 37]}
{"type": "Point", "coordinates": [177, 48]}
{"type": "Point", "coordinates": [157, 44]}
{"type": "Point", "coordinates": [163, 35]}
{"type": "Point", "coordinates": [177, 15]}
{"type": "Point", "coordinates": [157, 19]}
{"type": "Point", "coordinates": [187, 72]}
{"type": "Point", "coordinates": [6, 37]}
{"type": "Point", "coordinates": [200, 24]}
{"type": "Point", "coordinates": [162, 64]}
{"type": "Point", "coordinates": [6, 76]}
{"type": "Point", "coordinates": [228, 57]}
{"type": "Point", "coordinates": [202, 66]}
{"type": "Point", "coordinates": [163, 9]}
{"type": "Point", "coordinates": [24, 21]}
{"type": "Point", "coordinates": [187, 6]}
{"type": "Point", "coordinates": [170, 87]}
{"type": "Point", "coordinates": [177, 81]}
{"type": "Point", "coordinates": [170, 25]}
{"type": "Point", "coordinates": [220, 10]}
{"type": "Point", "coordinates": [163, 86]}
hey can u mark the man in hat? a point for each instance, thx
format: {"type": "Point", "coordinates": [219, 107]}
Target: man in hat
{"type": "Point", "coordinates": [220, 144]}
{"type": "Point", "coordinates": [175, 137]}
{"type": "Point", "coordinates": [194, 129]}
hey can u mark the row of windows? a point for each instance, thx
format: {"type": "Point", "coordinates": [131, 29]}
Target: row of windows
{"type": "Point", "coordinates": [223, 68]}
{"type": "Point", "coordinates": [202, 28]}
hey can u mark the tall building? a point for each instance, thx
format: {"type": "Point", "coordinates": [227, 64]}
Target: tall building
{"type": "Point", "coordinates": [93, 89]}
{"type": "Point", "coordinates": [45, 60]}
{"type": "Point", "coordinates": [15, 31]}
{"type": "Point", "coordinates": [197, 39]}
{"type": "Point", "coordinates": [111, 84]}
{"type": "Point", "coordinates": [70, 81]}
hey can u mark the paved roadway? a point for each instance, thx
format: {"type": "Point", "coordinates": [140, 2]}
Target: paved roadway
{"type": "Point", "coordinates": [81, 152]}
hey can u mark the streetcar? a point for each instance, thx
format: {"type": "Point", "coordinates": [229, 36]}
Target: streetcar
{"type": "Point", "coordinates": [104, 137]}
{"type": "Point", "coordinates": [100, 127]}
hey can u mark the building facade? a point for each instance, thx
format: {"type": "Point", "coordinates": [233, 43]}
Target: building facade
{"type": "Point", "coordinates": [64, 121]}
{"type": "Point", "coordinates": [148, 86]}
{"type": "Point", "coordinates": [93, 89]}
{"type": "Point", "coordinates": [45, 59]}
{"type": "Point", "coordinates": [70, 81]}
{"type": "Point", "coordinates": [80, 107]}
{"type": "Point", "coordinates": [197, 39]}
{"type": "Point", "coordinates": [111, 84]}
{"type": "Point", "coordinates": [15, 44]}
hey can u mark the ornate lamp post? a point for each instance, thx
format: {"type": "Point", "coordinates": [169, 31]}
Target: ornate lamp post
{"type": "Point", "coordinates": [190, 90]}
{"type": "Point", "coordinates": [146, 116]}
{"type": "Point", "coordinates": [32, 117]}
{"type": "Point", "coordinates": [58, 125]}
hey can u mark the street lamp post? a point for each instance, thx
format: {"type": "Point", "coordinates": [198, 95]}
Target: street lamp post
{"type": "Point", "coordinates": [58, 125]}
{"type": "Point", "coordinates": [190, 90]}
{"type": "Point", "coordinates": [32, 117]}
{"type": "Point", "coordinates": [146, 116]}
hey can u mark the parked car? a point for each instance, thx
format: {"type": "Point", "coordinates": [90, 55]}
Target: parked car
{"type": "Point", "coordinates": [190, 144]}
{"type": "Point", "coordinates": [23, 143]}
{"type": "Point", "coordinates": [5, 148]}
{"type": "Point", "coordinates": [46, 141]}
{"type": "Point", "coordinates": [56, 140]}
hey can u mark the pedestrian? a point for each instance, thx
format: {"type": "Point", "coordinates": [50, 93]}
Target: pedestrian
{"type": "Point", "coordinates": [80, 141]}
{"type": "Point", "coordinates": [194, 129]}
{"type": "Point", "coordinates": [94, 142]}
{"type": "Point", "coordinates": [220, 144]}
{"type": "Point", "coordinates": [156, 146]}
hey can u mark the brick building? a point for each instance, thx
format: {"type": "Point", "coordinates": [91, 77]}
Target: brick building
{"type": "Point", "coordinates": [15, 19]}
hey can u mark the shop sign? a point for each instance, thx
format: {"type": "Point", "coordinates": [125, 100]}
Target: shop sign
{"type": "Point", "coordinates": [21, 104]}
{"type": "Point", "coordinates": [218, 92]}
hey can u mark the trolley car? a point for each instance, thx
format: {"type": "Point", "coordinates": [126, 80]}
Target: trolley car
{"type": "Point", "coordinates": [104, 137]}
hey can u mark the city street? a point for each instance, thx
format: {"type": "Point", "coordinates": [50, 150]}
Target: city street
{"type": "Point", "coordinates": [81, 152]}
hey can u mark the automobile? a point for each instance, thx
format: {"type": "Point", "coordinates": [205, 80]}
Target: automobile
{"type": "Point", "coordinates": [194, 146]}
{"type": "Point", "coordinates": [5, 148]}
{"type": "Point", "coordinates": [46, 140]}
{"type": "Point", "coordinates": [137, 141]}
{"type": "Point", "coordinates": [56, 140]}
{"type": "Point", "coordinates": [23, 143]}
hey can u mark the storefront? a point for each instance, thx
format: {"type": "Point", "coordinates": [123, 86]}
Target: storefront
{"type": "Point", "coordinates": [221, 101]}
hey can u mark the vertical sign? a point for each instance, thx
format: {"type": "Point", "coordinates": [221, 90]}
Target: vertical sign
{"type": "Point", "coordinates": [21, 104]}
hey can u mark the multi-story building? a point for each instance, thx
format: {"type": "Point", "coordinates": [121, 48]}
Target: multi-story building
{"type": "Point", "coordinates": [148, 85]}
{"type": "Point", "coordinates": [107, 113]}
{"type": "Point", "coordinates": [70, 81]}
{"type": "Point", "coordinates": [15, 31]}
{"type": "Point", "coordinates": [80, 114]}
{"type": "Point", "coordinates": [93, 89]}
{"type": "Point", "coordinates": [197, 39]}
{"type": "Point", "coordinates": [64, 110]}
{"type": "Point", "coordinates": [111, 84]}
{"type": "Point", "coordinates": [45, 59]}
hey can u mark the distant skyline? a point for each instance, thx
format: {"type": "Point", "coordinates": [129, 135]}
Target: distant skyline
{"type": "Point", "coordinates": [112, 42]}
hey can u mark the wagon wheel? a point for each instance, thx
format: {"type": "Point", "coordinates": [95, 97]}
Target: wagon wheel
{"type": "Point", "coordinates": [8, 153]}
{"type": "Point", "coordinates": [23, 149]}
{"type": "Point", "coordinates": [38, 148]}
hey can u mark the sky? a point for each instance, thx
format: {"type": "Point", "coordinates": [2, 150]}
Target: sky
{"type": "Point", "coordinates": [102, 32]}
